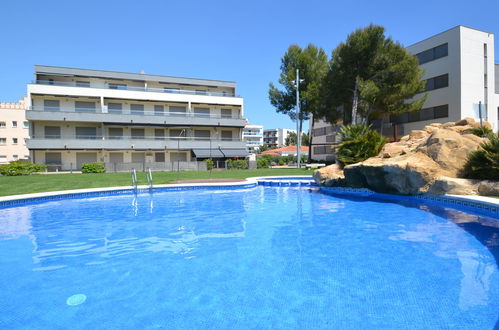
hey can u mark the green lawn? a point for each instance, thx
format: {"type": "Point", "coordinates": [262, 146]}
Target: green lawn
{"type": "Point", "coordinates": [14, 185]}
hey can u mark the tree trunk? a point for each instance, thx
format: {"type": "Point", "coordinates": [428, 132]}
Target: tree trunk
{"type": "Point", "coordinates": [355, 101]}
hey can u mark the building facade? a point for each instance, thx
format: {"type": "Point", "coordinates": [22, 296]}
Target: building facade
{"type": "Point", "coordinates": [461, 81]}
{"type": "Point", "coordinates": [276, 138]}
{"type": "Point", "coordinates": [14, 131]}
{"type": "Point", "coordinates": [253, 136]}
{"type": "Point", "coordinates": [129, 119]}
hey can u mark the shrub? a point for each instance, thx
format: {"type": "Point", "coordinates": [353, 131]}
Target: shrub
{"type": "Point", "coordinates": [484, 162]}
{"type": "Point", "coordinates": [262, 162]}
{"type": "Point", "coordinates": [358, 142]}
{"type": "Point", "coordinates": [210, 164]}
{"type": "Point", "coordinates": [93, 168]}
{"type": "Point", "coordinates": [281, 162]}
{"type": "Point", "coordinates": [21, 167]}
{"type": "Point", "coordinates": [482, 131]}
{"type": "Point", "coordinates": [237, 164]}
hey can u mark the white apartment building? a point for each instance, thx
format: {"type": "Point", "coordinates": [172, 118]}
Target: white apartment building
{"type": "Point", "coordinates": [14, 131]}
{"type": "Point", "coordinates": [127, 120]}
{"type": "Point", "coordinates": [276, 138]}
{"type": "Point", "coordinates": [253, 136]}
{"type": "Point", "coordinates": [461, 81]}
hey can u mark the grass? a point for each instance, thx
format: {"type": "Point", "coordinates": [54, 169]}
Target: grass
{"type": "Point", "coordinates": [15, 185]}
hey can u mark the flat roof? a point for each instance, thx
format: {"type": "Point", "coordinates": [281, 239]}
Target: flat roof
{"type": "Point", "coordinates": [455, 27]}
{"type": "Point", "coordinates": [59, 70]}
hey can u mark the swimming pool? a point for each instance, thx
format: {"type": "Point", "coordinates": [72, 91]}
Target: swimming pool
{"type": "Point", "coordinates": [260, 257]}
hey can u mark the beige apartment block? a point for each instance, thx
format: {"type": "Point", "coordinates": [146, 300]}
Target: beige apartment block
{"type": "Point", "coordinates": [14, 131]}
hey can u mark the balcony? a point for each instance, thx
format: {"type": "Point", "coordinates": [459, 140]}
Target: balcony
{"type": "Point", "coordinates": [132, 88]}
{"type": "Point", "coordinates": [96, 115]}
{"type": "Point", "coordinates": [130, 142]}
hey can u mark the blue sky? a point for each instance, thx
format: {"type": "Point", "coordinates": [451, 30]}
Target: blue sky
{"type": "Point", "coordinates": [241, 41]}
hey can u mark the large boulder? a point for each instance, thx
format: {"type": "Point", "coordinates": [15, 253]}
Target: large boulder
{"type": "Point", "coordinates": [329, 176]}
{"type": "Point", "coordinates": [430, 160]}
{"type": "Point", "coordinates": [410, 173]}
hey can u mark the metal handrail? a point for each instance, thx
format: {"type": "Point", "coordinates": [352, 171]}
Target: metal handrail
{"type": "Point", "coordinates": [149, 178]}
{"type": "Point", "coordinates": [134, 179]}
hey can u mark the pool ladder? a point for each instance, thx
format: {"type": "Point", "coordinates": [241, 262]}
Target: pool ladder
{"type": "Point", "coordinates": [149, 178]}
{"type": "Point", "coordinates": [134, 179]}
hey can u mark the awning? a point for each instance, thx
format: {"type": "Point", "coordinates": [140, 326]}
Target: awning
{"type": "Point", "coordinates": [206, 153]}
{"type": "Point", "coordinates": [241, 153]}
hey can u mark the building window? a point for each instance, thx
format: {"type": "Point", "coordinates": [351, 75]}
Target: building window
{"type": "Point", "coordinates": [226, 135]}
{"type": "Point", "coordinates": [51, 105]}
{"type": "Point", "coordinates": [159, 134]}
{"type": "Point", "coordinates": [226, 113]}
{"type": "Point", "coordinates": [15, 157]}
{"type": "Point", "coordinates": [3, 140]}
{"type": "Point", "coordinates": [437, 82]}
{"type": "Point", "coordinates": [14, 140]}
{"type": "Point", "coordinates": [159, 157]}
{"type": "Point", "coordinates": [117, 86]}
{"type": "Point", "coordinates": [81, 106]}
{"type": "Point", "coordinates": [52, 132]}
{"type": "Point", "coordinates": [138, 133]}
{"type": "Point", "coordinates": [159, 110]}
{"type": "Point", "coordinates": [177, 111]}
{"type": "Point", "coordinates": [26, 124]}
{"type": "Point", "coordinates": [2, 124]}
{"type": "Point", "coordinates": [82, 84]}
{"type": "Point", "coordinates": [137, 109]}
{"type": "Point", "coordinates": [433, 54]}
{"type": "Point", "coordinates": [53, 158]}
{"type": "Point", "coordinates": [177, 133]}
{"type": "Point", "coordinates": [178, 156]}
{"type": "Point", "coordinates": [3, 158]}
{"type": "Point", "coordinates": [200, 134]}
{"type": "Point", "coordinates": [202, 112]}
{"type": "Point", "coordinates": [14, 124]}
{"type": "Point", "coordinates": [115, 133]}
{"type": "Point", "coordinates": [86, 133]}
{"type": "Point", "coordinates": [114, 107]}
{"type": "Point", "coordinates": [441, 111]}
{"type": "Point", "coordinates": [171, 90]}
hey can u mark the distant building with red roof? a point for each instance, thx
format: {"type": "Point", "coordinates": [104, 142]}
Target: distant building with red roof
{"type": "Point", "coordinates": [285, 151]}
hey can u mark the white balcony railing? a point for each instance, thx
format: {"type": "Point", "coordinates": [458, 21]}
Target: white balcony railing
{"type": "Point", "coordinates": [132, 88]}
{"type": "Point", "coordinates": [135, 112]}
{"type": "Point", "coordinates": [135, 137]}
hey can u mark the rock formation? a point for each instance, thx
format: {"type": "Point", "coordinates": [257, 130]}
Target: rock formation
{"type": "Point", "coordinates": [425, 161]}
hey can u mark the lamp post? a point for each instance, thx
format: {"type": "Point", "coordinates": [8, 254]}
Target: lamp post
{"type": "Point", "coordinates": [298, 113]}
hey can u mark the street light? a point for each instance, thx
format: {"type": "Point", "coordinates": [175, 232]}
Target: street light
{"type": "Point", "coordinates": [296, 84]}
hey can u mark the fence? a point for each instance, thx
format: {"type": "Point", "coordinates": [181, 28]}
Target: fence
{"type": "Point", "coordinates": [156, 166]}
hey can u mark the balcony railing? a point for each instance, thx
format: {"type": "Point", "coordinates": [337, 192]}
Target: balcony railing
{"type": "Point", "coordinates": [252, 134]}
{"type": "Point", "coordinates": [135, 137]}
{"type": "Point", "coordinates": [132, 88]}
{"type": "Point", "coordinates": [135, 112]}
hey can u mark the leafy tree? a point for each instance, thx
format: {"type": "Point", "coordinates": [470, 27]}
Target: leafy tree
{"type": "Point", "coordinates": [371, 75]}
{"type": "Point", "coordinates": [291, 139]}
{"type": "Point", "coordinates": [313, 65]}
{"type": "Point", "coordinates": [263, 148]}
{"type": "Point", "coordinates": [484, 162]}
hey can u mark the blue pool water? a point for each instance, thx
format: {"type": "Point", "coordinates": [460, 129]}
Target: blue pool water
{"type": "Point", "coordinates": [258, 258]}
